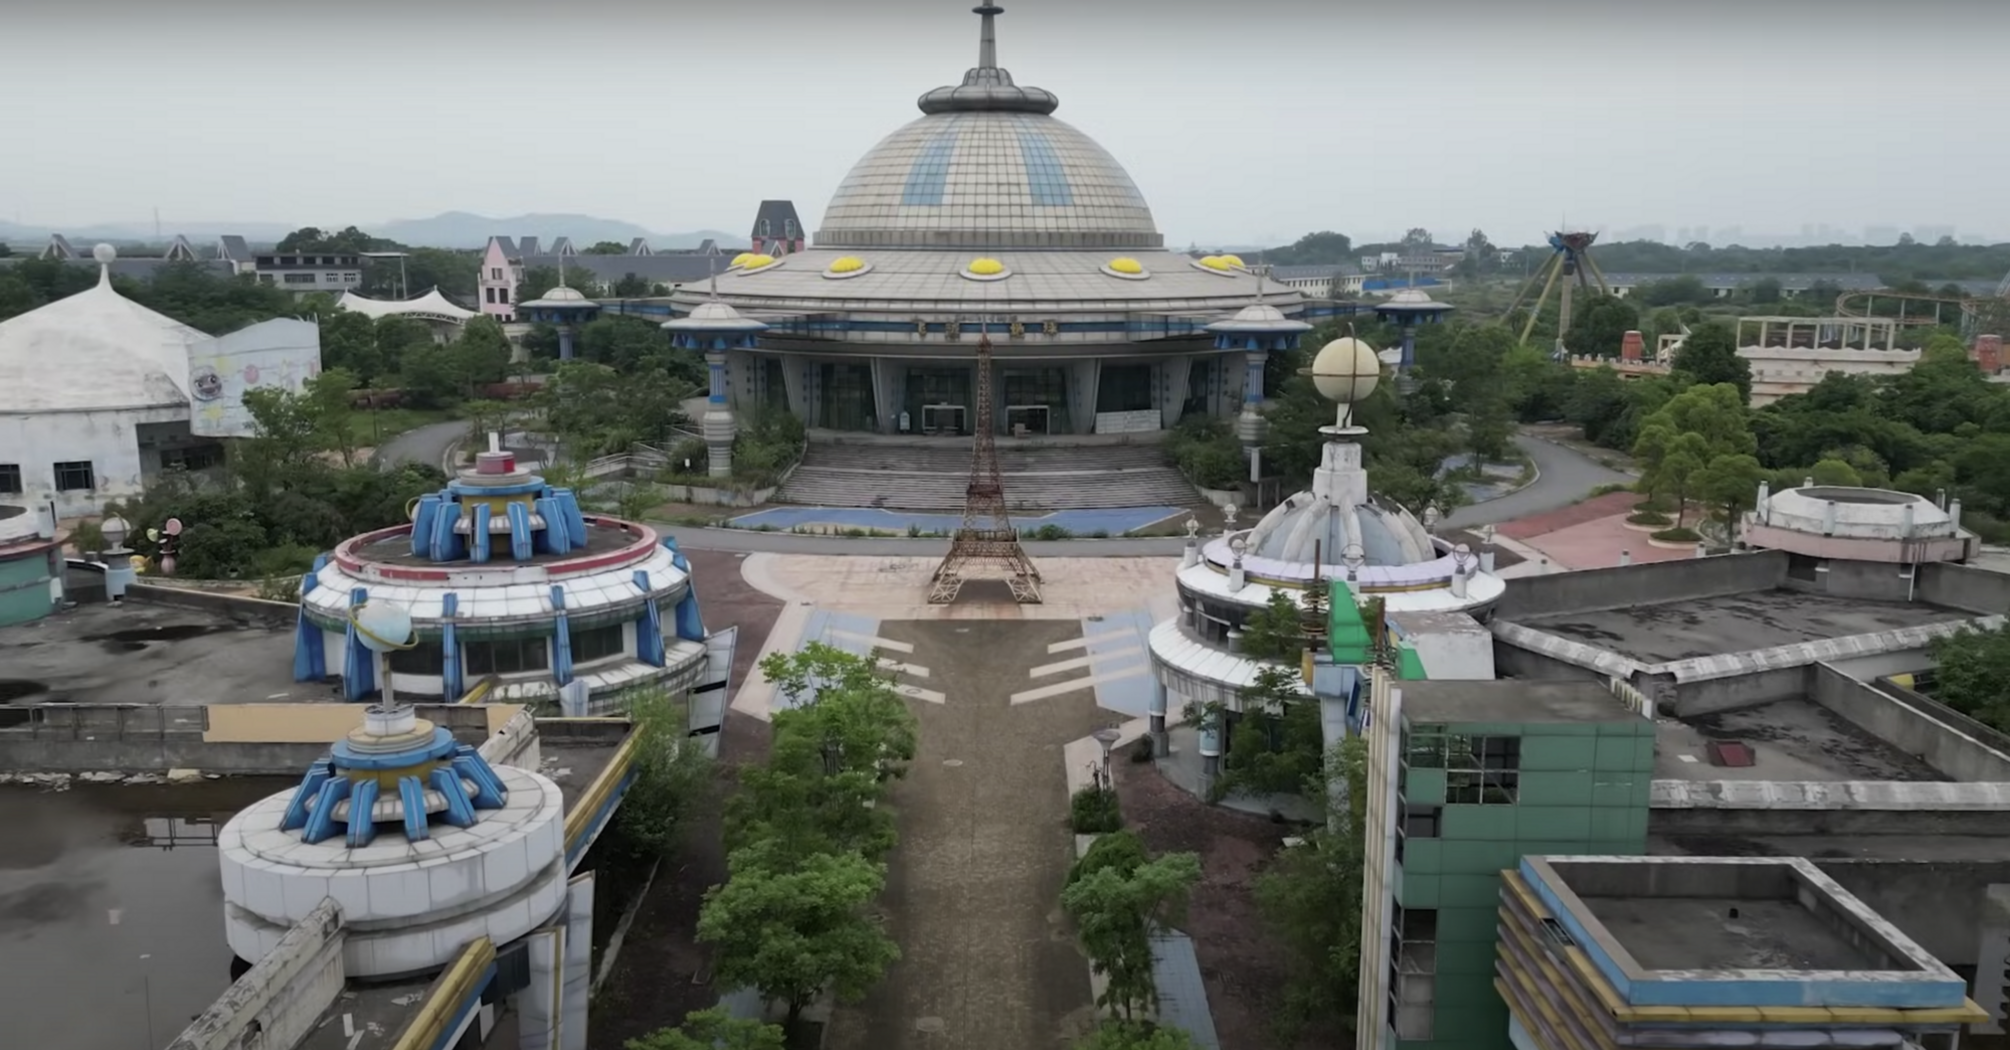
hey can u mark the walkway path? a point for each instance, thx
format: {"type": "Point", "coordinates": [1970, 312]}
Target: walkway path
{"type": "Point", "coordinates": [973, 892]}
{"type": "Point", "coordinates": [427, 445]}
{"type": "Point", "coordinates": [1567, 476]}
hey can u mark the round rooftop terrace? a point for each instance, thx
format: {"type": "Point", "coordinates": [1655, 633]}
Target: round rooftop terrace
{"type": "Point", "coordinates": [1857, 512]}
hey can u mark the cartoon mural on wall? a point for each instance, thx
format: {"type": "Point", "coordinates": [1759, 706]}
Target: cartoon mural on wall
{"type": "Point", "coordinates": [281, 354]}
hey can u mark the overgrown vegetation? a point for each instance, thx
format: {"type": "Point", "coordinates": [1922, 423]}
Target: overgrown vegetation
{"type": "Point", "coordinates": [712, 1029]}
{"type": "Point", "coordinates": [1973, 674]}
{"type": "Point", "coordinates": [1094, 810]}
{"type": "Point", "coordinates": [1310, 899]}
{"type": "Point", "coordinates": [1275, 743]}
{"type": "Point", "coordinates": [808, 832]}
{"type": "Point", "coordinates": [281, 501]}
{"type": "Point", "coordinates": [1118, 894]}
{"type": "Point", "coordinates": [673, 777]}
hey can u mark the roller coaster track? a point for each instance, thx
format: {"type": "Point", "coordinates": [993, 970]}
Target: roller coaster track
{"type": "Point", "coordinates": [1858, 304]}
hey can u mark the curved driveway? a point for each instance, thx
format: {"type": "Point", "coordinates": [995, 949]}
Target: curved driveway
{"type": "Point", "coordinates": [1567, 476]}
{"type": "Point", "coordinates": [427, 444]}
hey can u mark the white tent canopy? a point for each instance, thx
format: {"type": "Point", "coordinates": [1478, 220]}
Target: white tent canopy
{"type": "Point", "coordinates": [431, 305]}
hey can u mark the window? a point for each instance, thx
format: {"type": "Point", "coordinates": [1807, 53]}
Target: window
{"type": "Point", "coordinates": [507, 656]}
{"type": "Point", "coordinates": [1482, 769]}
{"type": "Point", "coordinates": [10, 477]}
{"type": "Point", "coordinates": [598, 643]}
{"type": "Point", "coordinates": [75, 477]}
{"type": "Point", "coordinates": [495, 274]}
{"type": "Point", "coordinates": [299, 278]}
{"type": "Point", "coordinates": [1413, 968]}
{"type": "Point", "coordinates": [1421, 822]}
{"type": "Point", "coordinates": [427, 658]}
{"type": "Point", "coordinates": [488, 295]}
{"type": "Point", "coordinates": [201, 457]}
{"type": "Point", "coordinates": [502, 295]}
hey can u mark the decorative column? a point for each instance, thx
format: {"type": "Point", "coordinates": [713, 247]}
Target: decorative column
{"type": "Point", "coordinates": [1410, 308]}
{"type": "Point", "coordinates": [715, 329]}
{"type": "Point", "coordinates": [1156, 707]}
{"type": "Point", "coordinates": [1257, 331]}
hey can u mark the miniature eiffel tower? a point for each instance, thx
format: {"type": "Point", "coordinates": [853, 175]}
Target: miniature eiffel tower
{"type": "Point", "coordinates": [987, 534]}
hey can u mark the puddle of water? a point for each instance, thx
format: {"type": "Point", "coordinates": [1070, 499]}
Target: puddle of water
{"type": "Point", "coordinates": [115, 889]}
{"type": "Point", "coordinates": [169, 633]}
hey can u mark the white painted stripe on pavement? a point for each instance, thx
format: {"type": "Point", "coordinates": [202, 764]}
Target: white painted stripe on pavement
{"type": "Point", "coordinates": [897, 667]}
{"type": "Point", "coordinates": [1058, 688]}
{"type": "Point", "coordinates": [1082, 661]}
{"type": "Point", "coordinates": [875, 643]}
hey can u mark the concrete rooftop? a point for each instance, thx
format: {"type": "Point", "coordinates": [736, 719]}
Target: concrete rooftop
{"type": "Point", "coordinates": [1793, 739]}
{"type": "Point", "coordinates": [1511, 700]}
{"type": "Point", "coordinates": [1727, 933]}
{"type": "Point", "coordinates": [138, 653]}
{"type": "Point", "coordinates": [1734, 623]}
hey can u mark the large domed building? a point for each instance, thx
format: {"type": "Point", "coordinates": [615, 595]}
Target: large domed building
{"type": "Point", "coordinates": [989, 215]}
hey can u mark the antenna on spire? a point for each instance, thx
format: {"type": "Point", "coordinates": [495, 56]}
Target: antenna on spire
{"type": "Point", "coordinates": [1260, 271]}
{"type": "Point", "coordinates": [713, 281]}
{"type": "Point", "coordinates": [561, 272]}
{"type": "Point", "coordinates": [987, 41]}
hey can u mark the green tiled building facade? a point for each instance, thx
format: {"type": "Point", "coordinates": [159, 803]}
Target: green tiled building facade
{"type": "Point", "coordinates": [1564, 772]}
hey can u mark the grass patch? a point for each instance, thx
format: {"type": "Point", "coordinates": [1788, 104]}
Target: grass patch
{"type": "Point", "coordinates": [1648, 517]}
{"type": "Point", "coordinates": [1682, 534]}
{"type": "Point", "coordinates": [371, 427]}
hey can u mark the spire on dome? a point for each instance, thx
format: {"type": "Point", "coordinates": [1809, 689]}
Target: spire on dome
{"type": "Point", "coordinates": [987, 87]}
{"type": "Point", "coordinates": [105, 254]}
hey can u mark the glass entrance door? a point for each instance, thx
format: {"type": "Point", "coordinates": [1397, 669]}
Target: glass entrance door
{"type": "Point", "coordinates": [932, 393]}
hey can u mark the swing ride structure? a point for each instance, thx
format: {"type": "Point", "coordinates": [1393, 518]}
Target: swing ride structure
{"type": "Point", "coordinates": [1570, 263]}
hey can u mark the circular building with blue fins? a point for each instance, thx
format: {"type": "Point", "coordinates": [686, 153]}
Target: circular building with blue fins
{"type": "Point", "coordinates": [507, 581]}
{"type": "Point", "coordinates": [421, 842]}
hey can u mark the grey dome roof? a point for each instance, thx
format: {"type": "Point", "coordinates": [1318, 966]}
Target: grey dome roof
{"type": "Point", "coordinates": [560, 296]}
{"type": "Point", "coordinates": [991, 180]}
{"type": "Point", "coordinates": [1306, 526]}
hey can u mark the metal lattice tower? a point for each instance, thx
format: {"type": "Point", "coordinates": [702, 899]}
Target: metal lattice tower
{"type": "Point", "coordinates": [987, 535]}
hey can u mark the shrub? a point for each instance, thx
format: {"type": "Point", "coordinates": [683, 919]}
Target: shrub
{"type": "Point", "coordinates": [1093, 811]}
{"type": "Point", "coordinates": [1679, 535]}
{"type": "Point", "coordinates": [1647, 517]}
{"type": "Point", "coordinates": [1207, 452]}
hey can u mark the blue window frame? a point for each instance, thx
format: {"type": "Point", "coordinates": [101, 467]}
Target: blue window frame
{"type": "Point", "coordinates": [1044, 175]}
{"type": "Point", "coordinates": [930, 174]}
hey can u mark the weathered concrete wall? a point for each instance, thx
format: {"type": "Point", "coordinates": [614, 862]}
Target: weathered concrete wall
{"type": "Point", "coordinates": [1965, 587]}
{"type": "Point", "coordinates": [1710, 695]}
{"type": "Point", "coordinates": [149, 738]}
{"type": "Point", "coordinates": [1871, 581]}
{"type": "Point", "coordinates": [1512, 661]}
{"type": "Point", "coordinates": [276, 1003]}
{"type": "Point", "coordinates": [1624, 585]}
{"type": "Point", "coordinates": [1916, 731]}
{"type": "Point", "coordinates": [1933, 902]}
{"type": "Point", "coordinates": [233, 605]}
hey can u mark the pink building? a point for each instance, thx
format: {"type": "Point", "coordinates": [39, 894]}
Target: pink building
{"type": "Point", "coordinates": [502, 269]}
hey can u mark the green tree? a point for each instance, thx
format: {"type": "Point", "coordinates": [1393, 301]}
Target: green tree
{"type": "Point", "coordinates": [1972, 674]}
{"type": "Point", "coordinates": [1137, 1035]}
{"type": "Point", "coordinates": [1310, 900]}
{"type": "Point", "coordinates": [596, 410]}
{"type": "Point", "coordinates": [632, 286]}
{"type": "Point", "coordinates": [713, 1029]}
{"type": "Point", "coordinates": [1730, 483]}
{"type": "Point", "coordinates": [607, 248]}
{"type": "Point", "coordinates": [1710, 355]}
{"type": "Point", "coordinates": [1599, 324]}
{"type": "Point", "coordinates": [1835, 472]}
{"type": "Point", "coordinates": [1276, 631]}
{"type": "Point", "coordinates": [349, 342]}
{"type": "Point", "coordinates": [672, 776]}
{"type": "Point", "coordinates": [1681, 464]}
{"type": "Point", "coordinates": [797, 931]}
{"type": "Point", "coordinates": [1116, 907]}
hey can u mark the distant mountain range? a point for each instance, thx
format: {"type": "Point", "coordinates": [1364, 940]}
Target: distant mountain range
{"type": "Point", "coordinates": [454, 229]}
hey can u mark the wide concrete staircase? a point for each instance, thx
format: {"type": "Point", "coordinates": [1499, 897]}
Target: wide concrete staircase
{"type": "Point", "coordinates": [932, 475]}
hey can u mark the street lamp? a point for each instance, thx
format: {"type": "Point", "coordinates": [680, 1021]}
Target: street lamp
{"type": "Point", "coordinates": [114, 530]}
{"type": "Point", "coordinates": [1108, 738]}
{"type": "Point", "coordinates": [116, 558]}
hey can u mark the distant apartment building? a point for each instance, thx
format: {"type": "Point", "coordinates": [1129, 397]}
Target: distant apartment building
{"type": "Point", "coordinates": [303, 273]}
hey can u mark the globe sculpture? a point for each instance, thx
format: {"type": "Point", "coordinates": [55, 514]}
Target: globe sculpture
{"type": "Point", "coordinates": [382, 627]}
{"type": "Point", "coordinates": [1345, 372]}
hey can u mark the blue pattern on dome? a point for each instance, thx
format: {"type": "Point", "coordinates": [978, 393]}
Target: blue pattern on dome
{"type": "Point", "coordinates": [929, 177]}
{"type": "Point", "coordinates": [1045, 178]}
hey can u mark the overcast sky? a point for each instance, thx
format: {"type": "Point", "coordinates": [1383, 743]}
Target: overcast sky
{"type": "Point", "coordinates": [1241, 120]}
